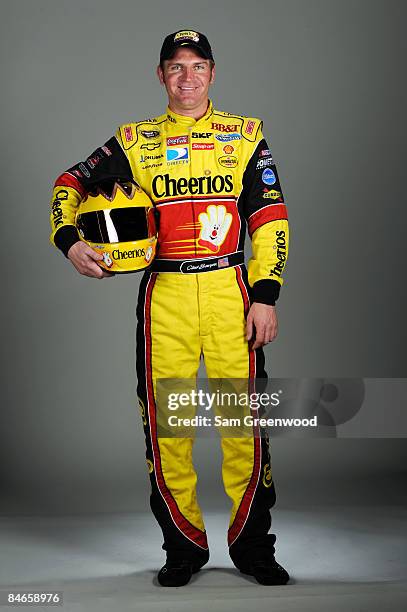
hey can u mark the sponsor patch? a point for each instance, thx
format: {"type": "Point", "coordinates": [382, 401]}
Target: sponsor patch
{"type": "Point", "coordinates": [272, 194]}
{"type": "Point", "coordinates": [227, 137]}
{"type": "Point", "coordinates": [177, 154]}
{"type": "Point", "coordinates": [93, 161]}
{"type": "Point", "coordinates": [84, 170]}
{"type": "Point", "coordinates": [128, 133]}
{"type": "Point", "coordinates": [203, 146]}
{"type": "Point", "coordinates": [150, 146]}
{"type": "Point", "coordinates": [265, 153]}
{"type": "Point", "coordinates": [175, 141]}
{"type": "Point", "coordinates": [201, 134]}
{"type": "Point", "coordinates": [106, 150]}
{"type": "Point", "coordinates": [281, 248]}
{"type": "Point", "coordinates": [250, 127]}
{"type": "Point", "coordinates": [187, 34]}
{"type": "Point", "coordinates": [268, 177]}
{"type": "Point", "coordinates": [144, 158]}
{"type": "Point", "coordinates": [57, 212]}
{"type": "Point", "coordinates": [147, 166]}
{"type": "Point", "coordinates": [150, 133]}
{"type": "Point", "coordinates": [263, 163]}
{"type": "Point", "coordinates": [163, 185]}
{"type": "Point", "coordinates": [228, 149]}
{"type": "Point", "coordinates": [223, 262]}
{"type": "Point", "coordinates": [222, 127]}
{"type": "Point", "coordinates": [228, 161]}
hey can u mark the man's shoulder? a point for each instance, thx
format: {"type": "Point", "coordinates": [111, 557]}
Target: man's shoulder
{"type": "Point", "coordinates": [131, 133]}
{"type": "Point", "coordinates": [249, 128]}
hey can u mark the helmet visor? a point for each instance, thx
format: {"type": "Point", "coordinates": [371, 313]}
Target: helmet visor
{"type": "Point", "coordinates": [115, 225]}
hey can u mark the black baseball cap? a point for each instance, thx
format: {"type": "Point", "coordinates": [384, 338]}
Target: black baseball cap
{"type": "Point", "coordinates": [188, 38]}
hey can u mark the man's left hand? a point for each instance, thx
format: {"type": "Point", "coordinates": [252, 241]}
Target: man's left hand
{"type": "Point", "coordinates": [261, 325]}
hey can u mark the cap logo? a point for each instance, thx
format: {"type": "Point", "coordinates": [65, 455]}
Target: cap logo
{"type": "Point", "coordinates": [188, 34]}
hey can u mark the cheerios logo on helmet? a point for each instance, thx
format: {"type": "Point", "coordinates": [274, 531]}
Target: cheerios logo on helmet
{"type": "Point", "coordinates": [118, 254]}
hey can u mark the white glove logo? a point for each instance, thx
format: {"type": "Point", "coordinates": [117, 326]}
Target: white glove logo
{"type": "Point", "coordinates": [107, 260]}
{"type": "Point", "coordinates": [215, 224]}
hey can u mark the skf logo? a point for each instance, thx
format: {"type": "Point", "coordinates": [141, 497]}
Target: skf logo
{"type": "Point", "coordinates": [57, 213]}
{"type": "Point", "coordinates": [267, 479]}
{"type": "Point", "coordinates": [128, 133]}
{"type": "Point", "coordinates": [201, 134]}
{"type": "Point", "coordinates": [250, 127]}
{"type": "Point", "coordinates": [281, 254]}
{"type": "Point", "coordinates": [221, 127]}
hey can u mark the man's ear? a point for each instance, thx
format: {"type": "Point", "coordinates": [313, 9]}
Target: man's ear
{"type": "Point", "coordinates": [213, 74]}
{"type": "Point", "coordinates": [160, 75]}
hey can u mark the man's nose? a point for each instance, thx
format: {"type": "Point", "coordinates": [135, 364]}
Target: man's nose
{"type": "Point", "coordinates": [188, 73]}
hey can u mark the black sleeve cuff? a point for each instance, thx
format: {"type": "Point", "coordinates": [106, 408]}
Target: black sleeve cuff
{"type": "Point", "coordinates": [65, 237]}
{"type": "Point", "coordinates": [266, 291]}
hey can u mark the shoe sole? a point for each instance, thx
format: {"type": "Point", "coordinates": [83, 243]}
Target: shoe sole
{"type": "Point", "coordinates": [265, 582]}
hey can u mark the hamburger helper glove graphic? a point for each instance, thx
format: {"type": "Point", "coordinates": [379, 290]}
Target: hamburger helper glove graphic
{"type": "Point", "coordinates": [215, 224]}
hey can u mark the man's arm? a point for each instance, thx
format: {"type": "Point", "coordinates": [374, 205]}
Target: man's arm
{"type": "Point", "coordinates": [266, 216]}
{"type": "Point", "coordinates": [107, 162]}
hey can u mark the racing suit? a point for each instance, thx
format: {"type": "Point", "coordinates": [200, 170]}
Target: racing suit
{"type": "Point", "coordinates": [209, 180]}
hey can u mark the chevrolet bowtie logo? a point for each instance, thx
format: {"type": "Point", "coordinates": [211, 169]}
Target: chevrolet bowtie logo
{"type": "Point", "coordinates": [150, 146]}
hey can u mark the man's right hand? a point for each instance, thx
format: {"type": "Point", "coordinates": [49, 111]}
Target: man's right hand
{"type": "Point", "coordinates": [84, 258]}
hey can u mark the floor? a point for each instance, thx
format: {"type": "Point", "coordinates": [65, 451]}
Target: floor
{"type": "Point", "coordinates": [352, 558]}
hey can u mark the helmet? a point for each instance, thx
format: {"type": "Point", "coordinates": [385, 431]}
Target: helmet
{"type": "Point", "coordinates": [118, 220]}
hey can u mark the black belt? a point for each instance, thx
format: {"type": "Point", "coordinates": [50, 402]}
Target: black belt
{"type": "Point", "coordinates": [194, 266]}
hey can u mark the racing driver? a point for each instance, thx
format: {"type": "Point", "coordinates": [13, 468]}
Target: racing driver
{"type": "Point", "coordinates": [211, 175]}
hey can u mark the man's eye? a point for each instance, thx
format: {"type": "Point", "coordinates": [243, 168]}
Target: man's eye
{"type": "Point", "coordinates": [200, 67]}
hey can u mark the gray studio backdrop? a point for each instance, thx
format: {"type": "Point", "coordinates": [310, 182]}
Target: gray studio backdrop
{"type": "Point", "coordinates": [327, 77]}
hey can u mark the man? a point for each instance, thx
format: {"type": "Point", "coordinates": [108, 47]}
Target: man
{"type": "Point", "coordinates": [210, 174]}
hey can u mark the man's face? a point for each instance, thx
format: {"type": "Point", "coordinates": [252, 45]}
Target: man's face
{"type": "Point", "coordinates": [187, 77]}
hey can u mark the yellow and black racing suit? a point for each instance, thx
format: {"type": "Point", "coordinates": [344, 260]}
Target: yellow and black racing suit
{"type": "Point", "coordinates": [209, 180]}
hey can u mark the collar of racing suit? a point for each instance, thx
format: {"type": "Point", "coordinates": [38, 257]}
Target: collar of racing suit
{"type": "Point", "coordinates": [188, 121]}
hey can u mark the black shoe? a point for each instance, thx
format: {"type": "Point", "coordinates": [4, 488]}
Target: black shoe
{"type": "Point", "coordinates": [177, 573]}
{"type": "Point", "coordinates": [266, 572]}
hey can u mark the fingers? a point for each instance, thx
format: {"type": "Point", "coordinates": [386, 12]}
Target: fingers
{"type": "Point", "coordinates": [264, 335]}
{"type": "Point", "coordinates": [85, 259]}
{"type": "Point", "coordinates": [93, 254]}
